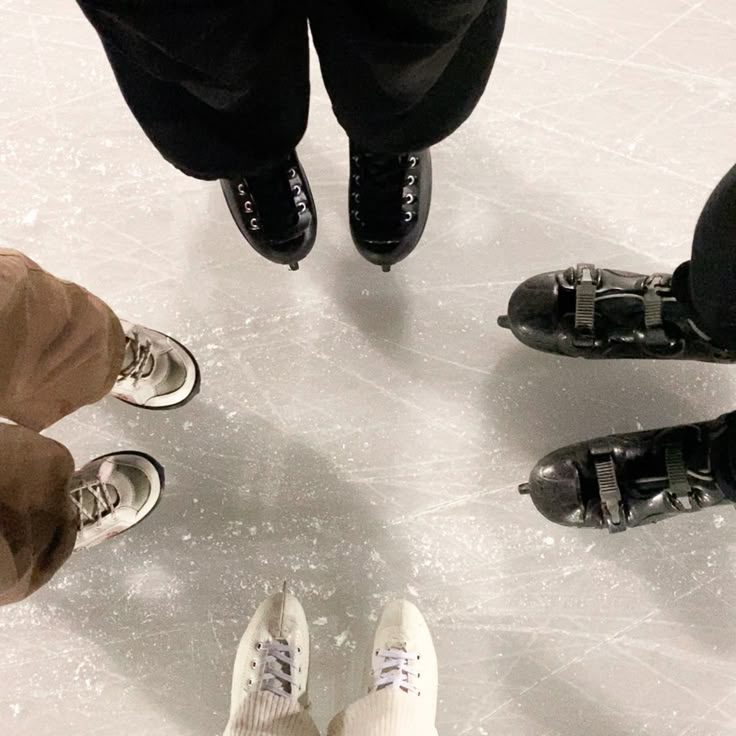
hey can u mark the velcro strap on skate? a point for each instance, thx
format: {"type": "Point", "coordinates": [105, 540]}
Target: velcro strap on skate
{"type": "Point", "coordinates": [601, 452]}
{"type": "Point", "coordinates": [677, 471]}
{"type": "Point", "coordinates": [653, 307]}
{"type": "Point", "coordinates": [586, 282]}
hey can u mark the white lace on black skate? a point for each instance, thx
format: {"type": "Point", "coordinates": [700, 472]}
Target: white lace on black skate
{"type": "Point", "coordinates": [278, 665]}
{"type": "Point", "coordinates": [385, 193]}
{"type": "Point", "coordinates": [95, 501]}
{"type": "Point", "coordinates": [395, 669]}
{"type": "Point", "coordinates": [143, 363]}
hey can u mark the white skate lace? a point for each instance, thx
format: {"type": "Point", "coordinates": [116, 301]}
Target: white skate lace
{"type": "Point", "coordinates": [103, 503]}
{"type": "Point", "coordinates": [279, 664]}
{"type": "Point", "coordinates": [143, 361]}
{"type": "Point", "coordinates": [394, 668]}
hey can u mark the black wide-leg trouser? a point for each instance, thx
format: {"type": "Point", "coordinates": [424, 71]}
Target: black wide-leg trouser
{"type": "Point", "coordinates": [221, 87]}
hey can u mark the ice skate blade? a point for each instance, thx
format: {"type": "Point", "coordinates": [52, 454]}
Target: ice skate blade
{"type": "Point", "coordinates": [294, 266]}
{"type": "Point", "coordinates": [525, 489]}
{"type": "Point", "coordinates": [503, 321]}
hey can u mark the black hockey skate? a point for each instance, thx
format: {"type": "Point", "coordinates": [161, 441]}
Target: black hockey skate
{"type": "Point", "coordinates": [275, 212]}
{"type": "Point", "coordinates": [629, 480]}
{"type": "Point", "coordinates": [390, 195]}
{"type": "Point", "coordinates": [589, 312]}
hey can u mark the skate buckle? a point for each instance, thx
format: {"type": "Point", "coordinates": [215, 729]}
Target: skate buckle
{"type": "Point", "coordinates": [612, 506]}
{"type": "Point", "coordinates": [654, 287]}
{"type": "Point", "coordinates": [677, 477]}
{"type": "Point", "coordinates": [586, 283]}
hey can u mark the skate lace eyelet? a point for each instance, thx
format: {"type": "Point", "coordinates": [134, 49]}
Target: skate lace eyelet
{"type": "Point", "coordinates": [302, 207]}
{"type": "Point", "coordinates": [408, 198]}
{"type": "Point", "coordinates": [241, 189]}
{"type": "Point", "coordinates": [408, 216]}
{"type": "Point", "coordinates": [297, 190]}
{"type": "Point", "coordinates": [254, 224]}
{"type": "Point", "coordinates": [410, 180]}
{"type": "Point", "coordinates": [292, 173]}
{"type": "Point", "coordinates": [413, 161]}
{"type": "Point", "coordinates": [248, 206]}
{"type": "Point", "coordinates": [259, 646]}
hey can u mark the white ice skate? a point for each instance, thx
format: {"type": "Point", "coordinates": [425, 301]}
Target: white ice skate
{"type": "Point", "coordinates": [114, 493]}
{"type": "Point", "coordinates": [273, 655]}
{"type": "Point", "coordinates": [158, 373]}
{"type": "Point", "coordinates": [404, 657]}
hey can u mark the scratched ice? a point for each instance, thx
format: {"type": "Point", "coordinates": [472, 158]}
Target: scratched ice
{"type": "Point", "coordinates": [361, 434]}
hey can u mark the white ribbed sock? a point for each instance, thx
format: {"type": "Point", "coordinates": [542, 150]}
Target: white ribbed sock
{"type": "Point", "coordinates": [384, 713]}
{"type": "Point", "coordinates": [265, 714]}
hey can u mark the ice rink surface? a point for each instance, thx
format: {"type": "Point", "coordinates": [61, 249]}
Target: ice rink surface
{"type": "Point", "coordinates": [362, 434]}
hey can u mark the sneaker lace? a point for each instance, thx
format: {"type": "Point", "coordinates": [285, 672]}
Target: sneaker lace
{"type": "Point", "coordinates": [381, 185]}
{"type": "Point", "coordinates": [279, 663]}
{"type": "Point", "coordinates": [102, 501]}
{"type": "Point", "coordinates": [395, 669]}
{"type": "Point", "coordinates": [143, 362]}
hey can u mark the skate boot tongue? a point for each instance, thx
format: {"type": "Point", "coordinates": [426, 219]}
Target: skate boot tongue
{"type": "Point", "coordinates": [97, 497]}
{"type": "Point", "coordinates": [275, 200]}
{"type": "Point", "coordinates": [395, 668]}
{"type": "Point", "coordinates": [277, 672]}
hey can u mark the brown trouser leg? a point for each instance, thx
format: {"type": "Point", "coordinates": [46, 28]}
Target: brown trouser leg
{"type": "Point", "coordinates": [61, 348]}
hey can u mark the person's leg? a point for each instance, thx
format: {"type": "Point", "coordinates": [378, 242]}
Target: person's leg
{"type": "Point", "coordinates": [404, 74]}
{"type": "Point", "coordinates": [629, 480]}
{"type": "Point", "coordinates": [221, 87]}
{"type": "Point", "coordinates": [724, 457]}
{"type": "Point", "coordinates": [47, 509]}
{"type": "Point", "coordinates": [712, 268]}
{"type": "Point", "coordinates": [589, 312]}
{"type": "Point", "coordinates": [38, 522]}
{"type": "Point", "coordinates": [403, 674]}
{"type": "Point", "coordinates": [269, 695]}
{"type": "Point", "coordinates": [61, 347]}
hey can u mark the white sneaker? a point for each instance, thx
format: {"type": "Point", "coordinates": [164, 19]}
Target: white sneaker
{"type": "Point", "coordinates": [273, 655]}
{"type": "Point", "coordinates": [158, 373]}
{"type": "Point", "coordinates": [113, 493]}
{"type": "Point", "coordinates": [404, 657]}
